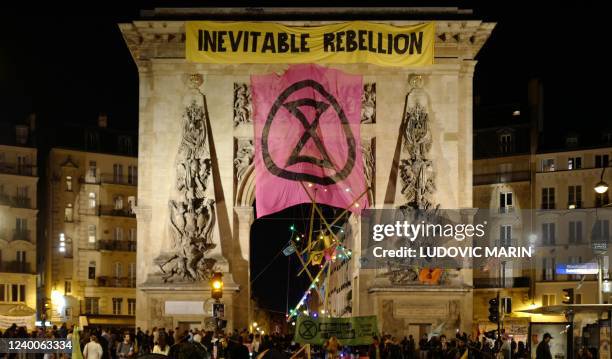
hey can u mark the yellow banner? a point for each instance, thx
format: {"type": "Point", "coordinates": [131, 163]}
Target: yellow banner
{"type": "Point", "coordinates": [349, 42]}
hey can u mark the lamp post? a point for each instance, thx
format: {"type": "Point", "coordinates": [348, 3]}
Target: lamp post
{"type": "Point", "coordinates": [601, 187]}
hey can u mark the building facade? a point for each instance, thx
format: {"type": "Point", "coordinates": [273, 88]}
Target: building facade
{"type": "Point", "coordinates": [545, 199]}
{"type": "Point", "coordinates": [18, 229]}
{"type": "Point", "coordinates": [91, 228]}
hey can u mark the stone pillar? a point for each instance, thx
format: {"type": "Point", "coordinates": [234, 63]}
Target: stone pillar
{"type": "Point", "coordinates": [244, 216]}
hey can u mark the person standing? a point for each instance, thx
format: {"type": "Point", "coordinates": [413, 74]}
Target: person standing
{"type": "Point", "coordinates": [125, 349]}
{"type": "Point", "coordinates": [93, 349]}
{"type": "Point", "coordinates": [543, 350]}
{"type": "Point", "coordinates": [161, 347]}
{"type": "Point", "coordinates": [423, 347]}
{"type": "Point", "coordinates": [374, 350]}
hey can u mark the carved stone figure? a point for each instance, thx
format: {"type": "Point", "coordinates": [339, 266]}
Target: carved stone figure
{"type": "Point", "coordinates": [415, 168]}
{"type": "Point", "coordinates": [368, 103]}
{"type": "Point", "coordinates": [368, 166]}
{"type": "Point", "coordinates": [192, 214]}
{"type": "Point", "coordinates": [242, 104]}
{"type": "Point", "coordinates": [244, 157]}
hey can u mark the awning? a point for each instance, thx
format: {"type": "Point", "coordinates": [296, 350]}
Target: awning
{"type": "Point", "coordinates": [112, 320]}
{"type": "Point", "coordinates": [575, 308]}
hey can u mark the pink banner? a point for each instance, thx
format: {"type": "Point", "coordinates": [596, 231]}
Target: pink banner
{"type": "Point", "coordinates": [307, 129]}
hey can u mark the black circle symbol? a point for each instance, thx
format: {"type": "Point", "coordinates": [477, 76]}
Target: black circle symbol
{"type": "Point", "coordinates": [309, 133]}
{"type": "Point", "coordinates": [308, 329]}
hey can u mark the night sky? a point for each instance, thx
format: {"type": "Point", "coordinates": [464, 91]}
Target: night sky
{"type": "Point", "coordinates": [68, 68]}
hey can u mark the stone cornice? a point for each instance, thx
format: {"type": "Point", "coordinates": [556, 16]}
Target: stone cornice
{"type": "Point", "coordinates": [147, 40]}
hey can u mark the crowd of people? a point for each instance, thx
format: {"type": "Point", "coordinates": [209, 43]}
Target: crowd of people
{"type": "Point", "coordinates": [102, 343]}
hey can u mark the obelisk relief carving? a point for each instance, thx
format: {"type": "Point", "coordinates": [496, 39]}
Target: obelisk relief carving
{"type": "Point", "coordinates": [416, 169]}
{"type": "Point", "coordinates": [192, 213]}
{"type": "Point", "coordinates": [368, 103]}
{"type": "Point", "coordinates": [243, 110]}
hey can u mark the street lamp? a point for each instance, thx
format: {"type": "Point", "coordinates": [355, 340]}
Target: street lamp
{"type": "Point", "coordinates": [602, 186]}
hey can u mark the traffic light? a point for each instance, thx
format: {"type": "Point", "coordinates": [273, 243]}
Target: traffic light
{"type": "Point", "coordinates": [216, 284]}
{"type": "Point", "coordinates": [494, 310]}
{"type": "Point", "coordinates": [568, 296]}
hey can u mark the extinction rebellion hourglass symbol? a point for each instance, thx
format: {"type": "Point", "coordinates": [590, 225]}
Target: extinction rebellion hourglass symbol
{"type": "Point", "coordinates": [310, 133]}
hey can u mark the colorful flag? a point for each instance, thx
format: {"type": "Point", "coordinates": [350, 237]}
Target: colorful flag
{"type": "Point", "coordinates": [307, 138]}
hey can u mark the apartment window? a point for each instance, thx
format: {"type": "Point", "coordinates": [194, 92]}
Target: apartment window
{"type": "Point", "coordinates": [67, 287]}
{"type": "Point", "coordinates": [92, 171]}
{"type": "Point", "coordinates": [574, 197]}
{"type": "Point", "coordinates": [117, 305]}
{"type": "Point", "coordinates": [571, 141]}
{"type": "Point", "coordinates": [549, 299]}
{"type": "Point", "coordinates": [91, 274]}
{"type": "Point", "coordinates": [131, 306]}
{"type": "Point", "coordinates": [601, 229]}
{"type": "Point", "coordinates": [131, 204]}
{"type": "Point", "coordinates": [92, 200]}
{"type": "Point", "coordinates": [62, 243]}
{"type": "Point", "coordinates": [117, 173]}
{"type": "Point", "coordinates": [22, 192]}
{"type": "Point", "coordinates": [548, 165]}
{"type": "Point", "coordinates": [118, 269]}
{"type": "Point", "coordinates": [18, 292]}
{"type": "Point", "coordinates": [574, 163]}
{"type": "Point", "coordinates": [91, 233]}
{"type": "Point", "coordinates": [2, 293]}
{"type": "Point", "coordinates": [132, 274]}
{"type": "Point", "coordinates": [548, 198]}
{"type": "Point", "coordinates": [69, 183]}
{"type": "Point", "coordinates": [21, 260]}
{"type": "Point", "coordinates": [506, 143]}
{"type": "Point", "coordinates": [132, 234]}
{"type": "Point", "coordinates": [21, 224]}
{"type": "Point", "coordinates": [118, 202]}
{"type": "Point", "coordinates": [132, 174]}
{"type": "Point", "coordinates": [118, 233]}
{"type": "Point", "coordinates": [505, 202]}
{"type": "Point", "coordinates": [548, 234]}
{"type": "Point", "coordinates": [91, 305]}
{"type": "Point", "coordinates": [68, 213]}
{"type": "Point", "coordinates": [125, 144]}
{"type": "Point", "coordinates": [602, 161]}
{"type": "Point", "coordinates": [548, 266]}
{"type": "Point", "coordinates": [21, 134]}
{"type": "Point", "coordinates": [578, 298]}
{"type": "Point", "coordinates": [68, 313]}
{"type": "Point", "coordinates": [575, 232]}
{"type": "Point", "coordinates": [602, 199]}
{"type": "Point", "coordinates": [505, 235]}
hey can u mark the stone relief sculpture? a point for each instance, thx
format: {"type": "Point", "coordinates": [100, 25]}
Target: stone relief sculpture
{"type": "Point", "coordinates": [416, 171]}
{"type": "Point", "coordinates": [368, 103]}
{"type": "Point", "coordinates": [369, 166]}
{"type": "Point", "coordinates": [243, 157]}
{"type": "Point", "coordinates": [417, 179]}
{"type": "Point", "coordinates": [192, 213]}
{"type": "Point", "coordinates": [242, 104]}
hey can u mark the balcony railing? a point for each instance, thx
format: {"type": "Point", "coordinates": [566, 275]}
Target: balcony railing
{"type": "Point", "coordinates": [16, 267]}
{"type": "Point", "coordinates": [506, 209]}
{"type": "Point", "coordinates": [112, 211]}
{"type": "Point", "coordinates": [501, 177]}
{"type": "Point", "coordinates": [110, 178]}
{"type": "Point", "coordinates": [116, 245]}
{"type": "Point", "coordinates": [513, 282]}
{"type": "Point", "coordinates": [21, 235]}
{"type": "Point", "coordinates": [22, 202]}
{"type": "Point", "coordinates": [15, 201]}
{"type": "Point", "coordinates": [15, 169]}
{"type": "Point", "coordinates": [116, 282]}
